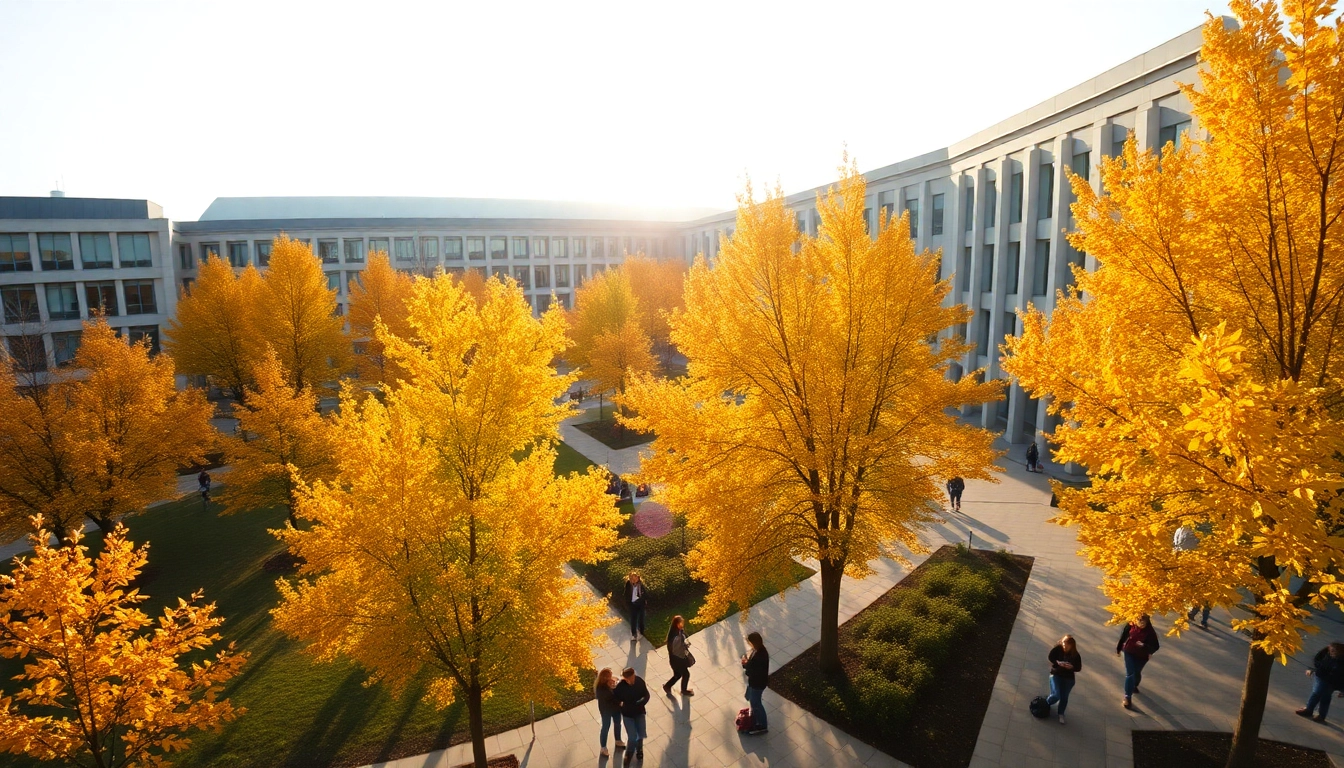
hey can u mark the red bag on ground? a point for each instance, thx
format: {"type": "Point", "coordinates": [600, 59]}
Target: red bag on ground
{"type": "Point", "coordinates": [743, 721]}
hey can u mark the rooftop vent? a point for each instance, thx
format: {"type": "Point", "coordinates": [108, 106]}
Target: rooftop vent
{"type": "Point", "coordinates": [57, 193]}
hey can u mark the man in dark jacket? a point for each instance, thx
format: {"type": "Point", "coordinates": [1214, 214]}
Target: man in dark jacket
{"type": "Point", "coordinates": [631, 694]}
{"type": "Point", "coordinates": [1328, 671]}
{"type": "Point", "coordinates": [636, 596]}
{"type": "Point", "coordinates": [1138, 642]}
{"type": "Point", "coordinates": [954, 488]}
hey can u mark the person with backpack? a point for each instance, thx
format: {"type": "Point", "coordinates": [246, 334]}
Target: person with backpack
{"type": "Point", "coordinates": [604, 692]}
{"type": "Point", "coordinates": [635, 596]}
{"type": "Point", "coordinates": [954, 488]}
{"type": "Point", "coordinates": [1065, 662]}
{"type": "Point", "coordinates": [1328, 671]}
{"type": "Point", "coordinates": [631, 694]}
{"type": "Point", "coordinates": [757, 667]}
{"type": "Point", "coordinates": [1033, 457]}
{"type": "Point", "coordinates": [1138, 642]}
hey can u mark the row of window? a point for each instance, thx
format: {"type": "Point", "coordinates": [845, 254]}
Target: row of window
{"type": "Point", "coordinates": [1040, 277]}
{"type": "Point", "coordinates": [56, 253]}
{"type": "Point", "coordinates": [29, 352]}
{"type": "Point", "coordinates": [19, 302]}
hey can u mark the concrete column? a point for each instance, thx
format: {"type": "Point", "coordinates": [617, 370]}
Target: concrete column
{"type": "Point", "coordinates": [971, 297]}
{"type": "Point", "coordinates": [925, 216]}
{"type": "Point", "coordinates": [1004, 170]}
{"type": "Point", "coordinates": [1147, 125]}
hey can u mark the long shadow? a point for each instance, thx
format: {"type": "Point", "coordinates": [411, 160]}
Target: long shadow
{"type": "Point", "coordinates": [409, 699]}
{"type": "Point", "coordinates": [332, 725]}
{"type": "Point", "coordinates": [679, 741]}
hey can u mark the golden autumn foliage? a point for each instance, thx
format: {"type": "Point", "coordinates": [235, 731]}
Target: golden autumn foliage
{"type": "Point", "coordinates": [1200, 381]}
{"type": "Point", "coordinates": [40, 464]}
{"type": "Point", "coordinates": [296, 314]}
{"type": "Point", "coordinates": [104, 685]}
{"type": "Point", "coordinates": [814, 418]}
{"type": "Point", "coordinates": [659, 287]}
{"type": "Point", "coordinates": [436, 549]}
{"type": "Point", "coordinates": [606, 326]}
{"type": "Point", "coordinates": [282, 441]}
{"type": "Point", "coordinates": [473, 282]}
{"type": "Point", "coordinates": [212, 333]}
{"type": "Point", "coordinates": [381, 293]}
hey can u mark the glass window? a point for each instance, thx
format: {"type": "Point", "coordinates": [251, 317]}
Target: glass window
{"type": "Point", "coordinates": [499, 248]}
{"type": "Point", "coordinates": [520, 247]}
{"type": "Point", "coordinates": [62, 301]}
{"type": "Point", "coordinates": [307, 242]}
{"type": "Point", "coordinates": [539, 249]}
{"type": "Point", "coordinates": [991, 202]}
{"type": "Point", "coordinates": [936, 226]}
{"type": "Point", "coordinates": [20, 303]}
{"type": "Point", "coordinates": [328, 252]}
{"type": "Point", "coordinates": [1045, 190]}
{"type": "Point", "coordinates": [521, 275]}
{"type": "Point", "coordinates": [982, 343]}
{"type": "Point", "coordinates": [1009, 324]}
{"type": "Point", "coordinates": [613, 247]}
{"type": "Point", "coordinates": [452, 248]}
{"type": "Point", "coordinates": [405, 248]}
{"type": "Point", "coordinates": [139, 297]}
{"type": "Point", "coordinates": [354, 278]}
{"type": "Point", "coordinates": [561, 275]}
{"type": "Point", "coordinates": [429, 249]}
{"type": "Point", "coordinates": [1082, 164]}
{"type": "Point", "coordinates": [95, 250]}
{"type": "Point", "coordinates": [208, 251]}
{"type": "Point", "coordinates": [28, 352]}
{"type": "Point", "coordinates": [379, 245]}
{"type": "Point", "coordinates": [133, 249]}
{"type": "Point", "coordinates": [263, 253]}
{"type": "Point", "coordinates": [1174, 134]}
{"type": "Point", "coordinates": [912, 207]}
{"type": "Point", "coordinates": [65, 345]}
{"type": "Point", "coordinates": [1040, 280]}
{"type": "Point", "coordinates": [987, 269]}
{"type": "Point", "coordinates": [186, 285]}
{"type": "Point", "coordinates": [500, 272]}
{"type": "Point", "coordinates": [967, 214]}
{"type": "Point", "coordinates": [334, 282]}
{"type": "Point", "coordinates": [1014, 261]}
{"type": "Point", "coordinates": [476, 248]}
{"type": "Point", "coordinates": [627, 245]}
{"type": "Point", "coordinates": [101, 297]}
{"type": "Point", "coordinates": [597, 248]}
{"type": "Point", "coordinates": [543, 303]}
{"type": "Point", "coordinates": [558, 249]}
{"type": "Point", "coordinates": [599, 269]}
{"type": "Point", "coordinates": [1015, 198]}
{"type": "Point", "coordinates": [543, 277]}
{"type": "Point", "coordinates": [184, 259]}
{"type": "Point", "coordinates": [867, 219]}
{"type": "Point", "coordinates": [238, 254]}
{"type": "Point", "coordinates": [149, 333]}
{"type": "Point", "coordinates": [580, 247]}
{"type": "Point", "coordinates": [562, 299]}
{"type": "Point", "coordinates": [580, 274]}
{"type": "Point", "coordinates": [354, 250]}
{"type": "Point", "coordinates": [55, 251]}
{"type": "Point", "coordinates": [964, 270]}
{"type": "Point", "coordinates": [14, 253]}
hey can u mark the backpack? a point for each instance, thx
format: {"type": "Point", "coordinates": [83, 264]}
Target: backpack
{"type": "Point", "coordinates": [743, 721]}
{"type": "Point", "coordinates": [1040, 707]}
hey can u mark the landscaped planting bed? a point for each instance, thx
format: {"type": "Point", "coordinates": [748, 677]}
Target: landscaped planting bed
{"type": "Point", "coordinates": [919, 664]}
{"type": "Point", "coordinates": [1209, 749]}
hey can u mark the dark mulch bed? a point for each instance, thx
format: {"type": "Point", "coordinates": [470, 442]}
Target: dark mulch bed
{"type": "Point", "coordinates": [942, 731]}
{"type": "Point", "coordinates": [507, 761]}
{"type": "Point", "coordinates": [613, 435]}
{"type": "Point", "coordinates": [282, 562]}
{"type": "Point", "coordinates": [1208, 749]}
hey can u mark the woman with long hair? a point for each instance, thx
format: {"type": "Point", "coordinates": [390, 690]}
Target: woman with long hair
{"type": "Point", "coordinates": [757, 666]}
{"type": "Point", "coordinates": [1065, 661]}
{"type": "Point", "coordinates": [604, 691]}
{"type": "Point", "coordinates": [678, 653]}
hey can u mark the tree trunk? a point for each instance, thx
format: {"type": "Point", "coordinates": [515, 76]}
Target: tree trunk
{"type": "Point", "coordinates": [105, 524]}
{"type": "Point", "coordinates": [477, 722]}
{"type": "Point", "coordinates": [828, 651]}
{"type": "Point", "coordinates": [1254, 690]}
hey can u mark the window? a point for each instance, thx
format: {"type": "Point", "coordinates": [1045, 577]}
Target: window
{"type": "Point", "coordinates": [1015, 198]}
{"type": "Point", "coordinates": [307, 243]}
{"type": "Point", "coordinates": [148, 333]}
{"type": "Point", "coordinates": [20, 302]}
{"type": "Point", "coordinates": [599, 269]}
{"type": "Point", "coordinates": [642, 247]}
{"type": "Point", "coordinates": [28, 352]}
{"type": "Point", "coordinates": [184, 259]}
{"type": "Point", "coordinates": [354, 250]}
{"type": "Point", "coordinates": [520, 247]}
{"type": "Point", "coordinates": [95, 250]}
{"type": "Point", "coordinates": [476, 248]}
{"type": "Point", "coordinates": [139, 297]}
{"type": "Point", "coordinates": [1040, 269]}
{"type": "Point", "coordinates": [65, 346]}
{"type": "Point", "coordinates": [580, 247]}
{"type": "Point", "coordinates": [1009, 324]}
{"type": "Point", "coordinates": [628, 244]}
{"type": "Point", "coordinates": [379, 245]}
{"type": "Point", "coordinates": [580, 274]}
{"type": "Point", "coordinates": [62, 301]}
{"type": "Point", "coordinates": [936, 226]}
{"type": "Point", "coordinates": [263, 253]}
{"type": "Point", "coordinates": [561, 275]}
{"type": "Point", "coordinates": [562, 299]}
{"type": "Point", "coordinates": [912, 208]}
{"type": "Point", "coordinates": [964, 271]}
{"type": "Point", "coordinates": [1045, 190]}
{"type": "Point", "coordinates": [966, 215]}
{"type": "Point", "coordinates": [186, 286]}
{"type": "Point", "coordinates": [867, 219]}
{"type": "Point", "coordinates": [452, 248]}
{"type": "Point", "coordinates": [208, 251]}
{"type": "Point", "coordinates": [982, 342]}
{"type": "Point", "coordinates": [1082, 165]}
{"type": "Point", "coordinates": [334, 282]}
{"type": "Point", "coordinates": [543, 277]}
{"type": "Point", "coordinates": [14, 253]}
{"type": "Point", "coordinates": [405, 248]}
{"type": "Point", "coordinates": [597, 248]}
{"type": "Point", "coordinates": [558, 249]}
{"type": "Point", "coordinates": [991, 202]}
{"type": "Point", "coordinates": [539, 249]}
{"type": "Point", "coordinates": [1014, 261]}
{"type": "Point", "coordinates": [499, 248]}
{"type": "Point", "coordinates": [500, 272]}
{"type": "Point", "coordinates": [328, 252]}
{"type": "Point", "coordinates": [238, 254]}
{"type": "Point", "coordinates": [54, 248]}
{"type": "Point", "coordinates": [987, 269]}
{"type": "Point", "coordinates": [101, 297]}
{"type": "Point", "coordinates": [353, 279]}
{"type": "Point", "coordinates": [800, 219]}
{"type": "Point", "coordinates": [133, 249]}
{"type": "Point", "coordinates": [1174, 134]}
{"type": "Point", "coordinates": [521, 275]}
{"type": "Point", "coordinates": [429, 249]}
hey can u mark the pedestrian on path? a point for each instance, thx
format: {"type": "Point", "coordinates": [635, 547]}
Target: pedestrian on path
{"type": "Point", "coordinates": [757, 666]}
{"type": "Point", "coordinates": [635, 596]}
{"type": "Point", "coordinates": [605, 692]}
{"type": "Point", "coordinates": [631, 695]}
{"type": "Point", "coordinates": [1328, 671]}
{"type": "Point", "coordinates": [954, 488]}
{"type": "Point", "coordinates": [679, 654]}
{"type": "Point", "coordinates": [1065, 661]}
{"type": "Point", "coordinates": [1033, 457]}
{"type": "Point", "coordinates": [1138, 642]}
{"type": "Point", "coordinates": [203, 480]}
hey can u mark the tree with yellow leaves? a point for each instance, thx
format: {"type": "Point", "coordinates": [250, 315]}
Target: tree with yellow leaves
{"type": "Point", "coordinates": [1197, 371]}
{"type": "Point", "coordinates": [437, 550]}
{"type": "Point", "coordinates": [618, 356]}
{"type": "Point", "coordinates": [39, 463]}
{"type": "Point", "coordinates": [212, 333]}
{"type": "Point", "coordinates": [296, 315]}
{"type": "Point", "coordinates": [381, 294]}
{"type": "Point", "coordinates": [606, 326]}
{"type": "Point", "coordinates": [105, 685]}
{"type": "Point", "coordinates": [659, 287]}
{"type": "Point", "coordinates": [814, 419]}
{"type": "Point", "coordinates": [282, 442]}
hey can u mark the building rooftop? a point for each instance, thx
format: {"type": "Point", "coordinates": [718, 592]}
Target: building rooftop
{"type": "Point", "coordinates": [273, 208]}
{"type": "Point", "coordinates": [78, 208]}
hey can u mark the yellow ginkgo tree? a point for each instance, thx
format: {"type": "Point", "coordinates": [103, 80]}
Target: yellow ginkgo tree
{"type": "Point", "coordinates": [1199, 371]}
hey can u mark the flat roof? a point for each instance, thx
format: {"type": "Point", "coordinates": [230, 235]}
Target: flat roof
{"type": "Point", "coordinates": [78, 208]}
{"type": "Point", "coordinates": [239, 209]}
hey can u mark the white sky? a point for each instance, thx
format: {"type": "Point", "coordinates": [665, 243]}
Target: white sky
{"type": "Point", "coordinates": [671, 103]}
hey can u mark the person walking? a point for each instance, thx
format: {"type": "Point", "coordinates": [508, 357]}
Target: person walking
{"type": "Point", "coordinates": [1138, 642]}
{"type": "Point", "coordinates": [757, 666]}
{"type": "Point", "coordinates": [605, 692]}
{"type": "Point", "coordinates": [203, 480]}
{"type": "Point", "coordinates": [631, 694]}
{"type": "Point", "coordinates": [1033, 457]}
{"type": "Point", "coordinates": [679, 654]}
{"type": "Point", "coordinates": [1065, 661]}
{"type": "Point", "coordinates": [635, 596]}
{"type": "Point", "coordinates": [954, 488]}
{"type": "Point", "coordinates": [1328, 671]}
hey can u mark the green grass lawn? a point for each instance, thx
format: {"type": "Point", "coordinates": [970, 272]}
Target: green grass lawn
{"type": "Point", "coordinates": [612, 434]}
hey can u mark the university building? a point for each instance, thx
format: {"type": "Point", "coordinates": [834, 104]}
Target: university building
{"type": "Point", "coordinates": [996, 204]}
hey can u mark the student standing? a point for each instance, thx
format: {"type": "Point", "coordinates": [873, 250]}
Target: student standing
{"type": "Point", "coordinates": [954, 488]}
{"type": "Point", "coordinates": [635, 597]}
{"type": "Point", "coordinates": [631, 694]}
{"type": "Point", "coordinates": [1328, 671]}
{"type": "Point", "coordinates": [1138, 642]}
{"type": "Point", "coordinates": [1065, 661]}
{"type": "Point", "coordinates": [678, 653]}
{"type": "Point", "coordinates": [605, 693]}
{"type": "Point", "coordinates": [757, 666]}
{"type": "Point", "coordinates": [1033, 458]}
